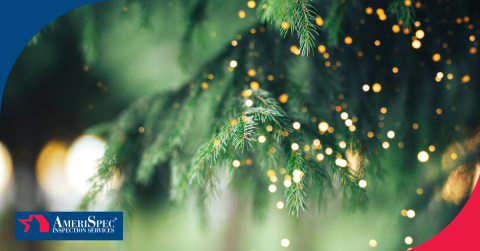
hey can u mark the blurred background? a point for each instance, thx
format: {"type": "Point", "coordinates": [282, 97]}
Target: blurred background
{"type": "Point", "coordinates": [53, 94]}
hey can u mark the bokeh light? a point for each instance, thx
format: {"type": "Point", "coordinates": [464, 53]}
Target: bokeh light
{"type": "Point", "coordinates": [5, 167]}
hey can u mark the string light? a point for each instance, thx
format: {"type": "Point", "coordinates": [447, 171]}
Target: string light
{"type": "Point", "coordinates": [366, 88]}
{"type": "Point", "coordinates": [344, 115]}
{"type": "Point", "coordinates": [285, 242]}
{"type": "Point", "coordinates": [396, 28]}
{"type": "Point", "coordinates": [261, 139]}
{"type": "Point", "coordinates": [362, 183]}
{"type": "Point", "coordinates": [408, 240]}
{"type": "Point", "coordinates": [236, 163]}
{"type": "Point", "coordinates": [296, 125]}
{"type": "Point", "coordinates": [254, 85]}
{"type": "Point", "coordinates": [280, 205]}
{"type": "Point", "coordinates": [241, 14]}
{"type": "Point", "coordinates": [391, 134]}
{"type": "Point", "coordinates": [233, 63]}
{"type": "Point", "coordinates": [348, 40]}
{"type": "Point", "coordinates": [342, 144]}
{"type": "Point", "coordinates": [385, 145]}
{"type": "Point", "coordinates": [416, 44]}
{"type": "Point", "coordinates": [436, 57]}
{"type": "Point", "coordinates": [377, 87]}
{"type": "Point", "coordinates": [251, 4]}
{"type": "Point", "coordinates": [272, 188]}
{"type": "Point", "coordinates": [373, 243]}
{"type": "Point", "coordinates": [419, 34]}
{"type": "Point", "coordinates": [320, 157]}
{"type": "Point", "coordinates": [422, 156]}
{"type": "Point", "coordinates": [321, 48]}
{"type": "Point", "coordinates": [348, 122]}
{"type": "Point", "coordinates": [287, 183]}
{"type": "Point", "coordinates": [369, 10]}
{"type": "Point", "coordinates": [248, 102]}
{"type": "Point", "coordinates": [328, 151]}
{"type": "Point", "coordinates": [323, 126]}
{"type": "Point", "coordinates": [319, 20]}
{"type": "Point", "coordinates": [410, 213]}
{"type": "Point", "coordinates": [341, 162]}
{"type": "Point", "coordinates": [294, 146]}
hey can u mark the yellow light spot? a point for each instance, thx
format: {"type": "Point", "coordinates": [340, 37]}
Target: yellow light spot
{"type": "Point", "coordinates": [273, 179]}
{"type": "Point", "coordinates": [419, 191]}
{"type": "Point", "coordinates": [252, 30]}
{"type": "Point", "coordinates": [234, 43]}
{"type": "Point", "coordinates": [382, 17]}
{"type": "Point", "coordinates": [370, 134]}
{"type": "Point", "coordinates": [380, 11]}
{"type": "Point", "coordinates": [306, 147]}
{"type": "Point", "coordinates": [473, 50]}
{"type": "Point", "coordinates": [377, 87]}
{"type": "Point", "coordinates": [410, 213]}
{"type": "Point", "coordinates": [262, 139]}
{"type": "Point", "coordinates": [369, 10]}
{"type": "Point", "coordinates": [141, 129]}
{"type": "Point", "coordinates": [246, 93]}
{"type": "Point", "coordinates": [251, 4]}
{"type": "Point", "coordinates": [241, 14]}
{"type": "Point", "coordinates": [280, 205]}
{"type": "Point", "coordinates": [342, 144]}
{"type": "Point", "coordinates": [341, 162]}
{"type": "Point", "coordinates": [344, 115]}
{"type": "Point", "coordinates": [391, 134]}
{"type": "Point", "coordinates": [404, 212]}
{"type": "Point", "coordinates": [321, 48]}
{"type": "Point", "coordinates": [270, 173]}
{"type": "Point", "coordinates": [431, 148]}
{"type": "Point", "coordinates": [385, 145]}
{"type": "Point", "coordinates": [439, 111]}
{"type": "Point", "coordinates": [377, 42]}
{"type": "Point", "coordinates": [328, 151]}
{"type": "Point", "coordinates": [285, 242]}
{"type": "Point", "coordinates": [319, 20]}
{"type": "Point", "coordinates": [294, 49]}
{"type": "Point", "coordinates": [422, 156]}
{"type": "Point", "coordinates": [415, 126]}
{"type": "Point", "coordinates": [395, 69]}
{"type": "Point", "coordinates": [416, 44]}
{"type": "Point", "coordinates": [272, 188]}
{"type": "Point", "coordinates": [316, 142]}
{"type": "Point", "coordinates": [204, 85]}
{"type": "Point", "coordinates": [352, 128]}
{"type": "Point", "coordinates": [236, 163]}
{"type": "Point", "coordinates": [323, 126]}
{"type": "Point", "coordinates": [295, 146]}
{"type": "Point", "coordinates": [287, 183]}
{"type": "Point", "coordinates": [396, 28]}
{"type": "Point", "coordinates": [254, 85]}
{"type": "Point", "coordinates": [296, 125]}
{"type": "Point", "coordinates": [453, 156]}
{"type": "Point", "coordinates": [233, 63]}
{"type": "Point", "coordinates": [408, 3]}
{"type": "Point", "coordinates": [348, 40]}
{"type": "Point", "coordinates": [283, 98]}
{"type": "Point", "coordinates": [251, 73]}
{"type": "Point", "coordinates": [373, 243]}
{"type": "Point", "coordinates": [362, 183]}
{"type": "Point", "coordinates": [465, 79]}
{"type": "Point", "coordinates": [436, 57]}
{"type": "Point", "coordinates": [285, 25]}
{"type": "Point", "coordinates": [320, 157]}
{"type": "Point", "coordinates": [366, 88]}
{"type": "Point", "coordinates": [282, 170]}
{"type": "Point", "coordinates": [248, 102]}
{"type": "Point", "coordinates": [408, 240]}
{"type": "Point", "coordinates": [419, 34]}
{"type": "Point", "coordinates": [450, 76]}
{"type": "Point", "coordinates": [124, 8]}
{"type": "Point", "coordinates": [401, 145]}
{"type": "Point", "coordinates": [406, 31]}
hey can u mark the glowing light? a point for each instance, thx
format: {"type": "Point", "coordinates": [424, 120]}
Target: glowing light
{"type": "Point", "coordinates": [422, 156]}
{"type": "Point", "coordinates": [465, 79]}
{"type": "Point", "coordinates": [419, 191]}
{"type": "Point", "coordinates": [285, 242]}
{"type": "Point", "coordinates": [408, 240]}
{"type": "Point", "coordinates": [236, 163]}
{"type": "Point", "coordinates": [233, 63]}
{"type": "Point", "coordinates": [83, 157]}
{"type": "Point", "coordinates": [348, 122]}
{"type": "Point", "coordinates": [373, 243]}
{"type": "Point", "coordinates": [280, 205]}
{"type": "Point", "coordinates": [396, 28]}
{"type": "Point", "coordinates": [141, 130]}
{"type": "Point", "coordinates": [272, 188]}
{"type": "Point", "coordinates": [366, 88]}
{"type": "Point", "coordinates": [377, 87]}
{"type": "Point", "coordinates": [251, 4]}
{"type": "Point", "coordinates": [416, 44]}
{"type": "Point", "coordinates": [321, 48]}
{"type": "Point", "coordinates": [296, 125]}
{"type": "Point", "coordinates": [316, 142]}
{"type": "Point", "coordinates": [296, 179]}
{"type": "Point", "coordinates": [287, 183]}
{"type": "Point", "coordinates": [453, 156]}
{"type": "Point", "coordinates": [342, 144]}
{"type": "Point", "coordinates": [386, 145]}
{"type": "Point", "coordinates": [440, 75]}
{"type": "Point", "coordinates": [323, 126]}
{"type": "Point", "coordinates": [377, 42]}
{"type": "Point", "coordinates": [439, 111]}
{"type": "Point", "coordinates": [362, 183]}
{"type": "Point", "coordinates": [294, 49]}
{"type": "Point", "coordinates": [254, 85]}
{"type": "Point", "coordinates": [50, 167]}
{"type": "Point", "coordinates": [246, 93]}
{"type": "Point", "coordinates": [234, 43]}
{"type": "Point", "coordinates": [369, 10]}
{"type": "Point", "coordinates": [248, 102]}
{"type": "Point", "coordinates": [436, 57]}
{"type": "Point", "coordinates": [251, 73]}
{"type": "Point", "coordinates": [283, 98]}
{"type": "Point", "coordinates": [5, 167]}
{"type": "Point", "coordinates": [262, 139]}
{"type": "Point", "coordinates": [241, 14]}
{"type": "Point", "coordinates": [344, 115]}
{"type": "Point", "coordinates": [204, 85]}
{"type": "Point", "coordinates": [341, 162]}
{"type": "Point", "coordinates": [383, 110]}
{"type": "Point", "coordinates": [285, 25]}
{"type": "Point", "coordinates": [319, 20]}
{"type": "Point", "coordinates": [408, 2]}
{"type": "Point", "coordinates": [273, 179]}
{"type": "Point", "coordinates": [328, 151]}
{"type": "Point", "coordinates": [395, 69]}
{"type": "Point", "coordinates": [410, 213]}
{"type": "Point", "coordinates": [294, 146]}
{"type": "Point", "coordinates": [320, 157]}
{"type": "Point", "coordinates": [269, 128]}
{"type": "Point", "coordinates": [431, 148]}
{"type": "Point", "coordinates": [391, 134]}
{"type": "Point", "coordinates": [348, 40]}
{"type": "Point", "coordinates": [419, 34]}
{"type": "Point", "coordinates": [404, 212]}
{"type": "Point", "coordinates": [415, 126]}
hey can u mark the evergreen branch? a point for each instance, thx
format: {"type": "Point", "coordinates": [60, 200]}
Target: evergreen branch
{"type": "Point", "coordinates": [296, 192]}
{"type": "Point", "coordinates": [404, 14]}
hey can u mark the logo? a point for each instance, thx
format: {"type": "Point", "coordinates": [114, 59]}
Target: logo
{"type": "Point", "coordinates": [68, 225]}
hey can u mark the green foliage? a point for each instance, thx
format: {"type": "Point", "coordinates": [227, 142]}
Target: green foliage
{"type": "Point", "coordinates": [403, 13]}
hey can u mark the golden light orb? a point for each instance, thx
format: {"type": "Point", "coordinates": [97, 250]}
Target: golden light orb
{"type": "Point", "coordinates": [436, 57]}
{"type": "Point", "coordinates": [320, 157]}
{"type": "Point", "coordinates": [233, 63]}
{"type": "Point", "coordinates": [373, 243]}
{"type": "Point", "coordinates": [251, 4]}
{"type": "Point", "coordinates": [319, 20]}
{"type": "Point", "coordinates": [419, 34]}
{"type": "Point", "coordinates": [369, 10]}
{"type": "Point", "coordinates": [328, 151]}
{"type": "Point", "coordinates": [323, 126]}
{"type": "Point", "coordinates": [344, 115]}
{"type": "Point", "coordinates": [408, 240]}
{"type": "Point", "coordinates": [396, 28]}
{"type": "Point", "coordinates": [348, 40]}
{"type": "Point", "coordinates": [272, 188]}
{"type": "Point", "coordinates": [249, 102]}
{"type": "Point", "coordinates": [287, 183]}
{"type": "Point", "coordinates": [416, 44]}
{"type": "Point", "coordinates": [280, 205]}
{"type": "Point", "coordinates": [294, 146]}
{"type": "Point", "coordinates": [410, 213]}
{"type": "Point", "coordinates": [341, 162]}
{"type": "Point", "coordinates": [321, 48]}
{"type": "Point", "coordinates": [254, 85]}
{"type": "Point", "coordinates": [362, 183]}
{"type": "Point", "coordinates": [236, 163]}
{"type": "Point", "coordinates": [391, 134]}
{"type": "Point", "coordinates": [422, 156]}
{"type": "Point", "coordinates": [285, 242]}
{"type": "Point", "coordinates": [296, 125]}
{"type": "Point", "coordinates": [241, 14]}
{"type": "Point", "coordinates": [262, 139]}
{"type": "Point", "coordinates": [342, 144]}
{"type": "Point", "coordinates": [377, 87]}
{"type": "Point", "coordinates": [366, 88]}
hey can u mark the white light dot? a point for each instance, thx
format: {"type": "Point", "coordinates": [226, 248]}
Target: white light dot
{"type": "Point", "coordinates": [236, 163]}
{"type": "Point", "coordinates": [296, 125]}
{"type": "Point", "coordinates": [373, 243]}
{"type": "Point", "coordinates": [422, 156]}
{"type": "Point", "coordinates": [297, 172]}
{"type": "Point", "coordinates": [391, 134]}
{"type": "Point", "coordinates": [287, 183]}
{"type": "Point", "coordinates": [261, 139]}
{"type": "Point", "coordinates": [342, 144]}
{"type": "Point", "coordinates": [440, 75]}
{"type": "Point", "coordinates": [348, 122]}
{"type": "Point", "coordinates": [249, 102]}
{"type": "Point", "coordinates": [323, 126]}
{"type": "Point", "coordinates": [233, 63]}
{"type": "Point", "coordinates": [272, 188]}
{"type": "Point", "coordinates": [362, 183]}
{"type": "Point", "coordinates": [341, 162]}
{"type": "Point", "coordinates": [328, 151]}
{"type": "Point", "coordinates": [296, 179]}
{"type": "Point", "coordinates": [408, 240]}
{"type": "Point", "coordinates": [320, 157]}
{"type": "Point", "coordinates": [285, 242]}
{"type": "Point", "coordinates": [294, 146]}
{"type": "Point", "coordinates": [410, 213]}
{"type": "Point", "coordinates": [366, 88]}
{"type": "Point", "coordinates": [280, 205]}
{"type": "Point", "coordinates": [344, 115]}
